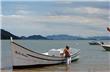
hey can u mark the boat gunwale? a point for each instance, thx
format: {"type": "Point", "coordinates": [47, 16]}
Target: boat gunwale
{"type": "Point", "coordinates": [76, 54]}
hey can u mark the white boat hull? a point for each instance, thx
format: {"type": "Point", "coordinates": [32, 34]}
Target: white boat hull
{"type": "Point", "coordinates": [24, 57]}
{"type": "Point", "coordinates": [106, 47]}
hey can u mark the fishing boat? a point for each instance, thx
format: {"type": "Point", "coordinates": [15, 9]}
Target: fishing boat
{"type": "Point", "coordinates": [24, 57]}
{"type": "Point", "coordinates": [106, 47]}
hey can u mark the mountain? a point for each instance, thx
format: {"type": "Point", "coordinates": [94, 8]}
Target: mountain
{"type": "Point", "coordinates": [64, 37]}
{"type": "Point", "coordinates": [69, 37]}
{"type": "Point", "coordinates": [7, 35]}
{"type": "Point", "coordinates": [34, 37]}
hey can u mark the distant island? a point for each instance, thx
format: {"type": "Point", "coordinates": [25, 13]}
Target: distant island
{"type": "Point", "coordinates": [6, 35]}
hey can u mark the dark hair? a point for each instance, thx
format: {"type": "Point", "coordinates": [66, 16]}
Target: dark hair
{"type": "Point", "coordinates": [67, 47]}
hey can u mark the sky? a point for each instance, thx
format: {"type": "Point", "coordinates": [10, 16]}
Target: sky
{"type": "Point", "coordinates": [79, 18]}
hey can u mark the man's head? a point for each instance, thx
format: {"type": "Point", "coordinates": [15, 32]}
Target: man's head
{"type": "Point", "coordinates": [67, 47]}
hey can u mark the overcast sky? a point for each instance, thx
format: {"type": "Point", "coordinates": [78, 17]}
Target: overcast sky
{"type": "Point", "coordinates": [81, 18]}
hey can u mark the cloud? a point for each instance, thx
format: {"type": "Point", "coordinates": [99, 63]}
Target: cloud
{"type": "Point", "coordinates": [22, 9]}
{"type": "Point", "coordinates": [91, 10]}
{"type": "Point", "coordinates": [56, 19]}
{"type": "Point", "coordinates": [84, 12]}
{"type": "Point", "coordinates": [28, 25]}
{"type": "Point", "coordinates": [23, 12]}
{"type": "Point", "coordinates": [63, 2]}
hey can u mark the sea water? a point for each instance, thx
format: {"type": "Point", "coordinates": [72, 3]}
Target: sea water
{"type": "Point", "coordinates": [93, 58]}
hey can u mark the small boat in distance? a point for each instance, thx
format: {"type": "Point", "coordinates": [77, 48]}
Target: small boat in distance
{"type": "Point", "coordinates": [24, 57]}
{"type": "Point", "coordinates": [95, 43]}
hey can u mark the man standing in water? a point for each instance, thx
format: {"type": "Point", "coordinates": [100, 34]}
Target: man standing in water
{"type": "Point", "coordinates": [67, 55]}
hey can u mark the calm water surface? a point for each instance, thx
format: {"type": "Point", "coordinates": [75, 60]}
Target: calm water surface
{"type": "Point", "coordinates": [93, 58]}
